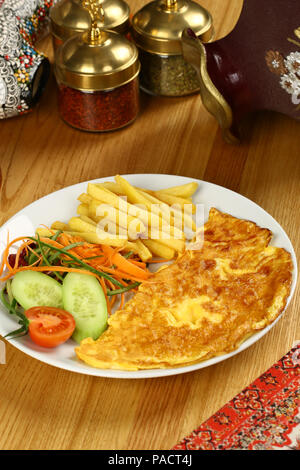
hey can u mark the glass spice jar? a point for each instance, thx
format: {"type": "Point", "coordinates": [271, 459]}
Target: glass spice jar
{"type": "Point", "coordinates": [69, 17]}
{"type": "Point", "coordinates": [167, 75]}
{"type": "Point", "coordinates": [100, 110]}
{"type": "Point", "coordinates": [97, 76]}
{"type": "Point", "coordinates": [157, 30]}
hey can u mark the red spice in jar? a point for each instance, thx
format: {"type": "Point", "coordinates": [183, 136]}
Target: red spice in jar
{"type": "Point", "coordinates": [99, 110]}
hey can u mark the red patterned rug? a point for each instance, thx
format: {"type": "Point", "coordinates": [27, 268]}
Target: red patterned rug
{"type": "Point", "coordinates": [264, 416]}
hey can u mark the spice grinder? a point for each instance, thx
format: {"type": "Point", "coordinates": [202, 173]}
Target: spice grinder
{"type": "Point", "coordinates": [97, 76]}
{"type": "Point", "coordinates": [68, 17]}
{"type": "Point", "coordinates": [157, 30]}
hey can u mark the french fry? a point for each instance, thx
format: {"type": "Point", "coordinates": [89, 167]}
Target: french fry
{"type": "Point", "coordinates": [108, 223]}
{"type": "Point", "coordinates": [163, 209]}
{"type": "Point", "coordinates": [59, 226]}
{"type": "Point", "coordinates": [159, 250]}
{"type": "Point", "coordinates": [86, 228]}
{"type": "Point", "coordinates": [186, 220]}
{"type": "Point", "coordinates": [88, 220]}
{"type": "Point", "coordinates": [143, 252]}
{"type": "Point", "coordinates": [83, 209]}
{"type": "Point", "coordinates": [101, 194]}
{"type": "Point", "coordinates": [92, 237]}
{"type": "Point", "coordinates": [151, 198]}
{"type": "Point", "coordinates": [177, 218]}
{"type": "Point", "coordinates": [85, 198]}
{"type": "Point", "coordinates": [111, 186]}
{"type": "Point", "coordinates": [85, 225]}
{"type": "Point", "coordinates": [117, 217]}
{"type": "Point", "coordinates": [165, 239]}
{"type": "Point", "coordinates": [76, 224]}
{"type": "Point", "coordinates": [44, 232]}
{"type": "Point", "coordinates": [181, 219]}
{"type": "Point", "coordinates": [173, 243]}
{"type": "Point", "coordinates": [133, 194]}
{"type": "Point", "coordinates": [144, 221]}
{"type": "Point", "coordinates": [92, 234]}
{"type": "Point", "coordinates": [154, 220]}
{"type": "Point", "coordinates": [185, 190]}
{"type": "Point", "coordinates": [88, 231]}
{"type": "Point", "coordinates": [186, 204]}
{"type": "Point", "coordinates": [105, 196]}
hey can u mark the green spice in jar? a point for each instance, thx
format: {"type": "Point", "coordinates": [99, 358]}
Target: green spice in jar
{"type": "Point", "coordinates": [157, 31]}
{"type": "Point", "coordinates": [167, 75]}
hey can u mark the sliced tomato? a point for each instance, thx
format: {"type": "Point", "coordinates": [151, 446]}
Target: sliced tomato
{"type": "Point", "coordinates": [49, 326]}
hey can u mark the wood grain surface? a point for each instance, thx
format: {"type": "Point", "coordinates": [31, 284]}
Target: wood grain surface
{"type": "Point", "coordinates": [42, 407]}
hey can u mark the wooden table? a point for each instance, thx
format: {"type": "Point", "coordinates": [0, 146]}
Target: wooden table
{"type": "Point", "coordinates": [42, 407]}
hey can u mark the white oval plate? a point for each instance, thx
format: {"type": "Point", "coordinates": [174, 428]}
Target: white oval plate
{"type": "Point", "coordinates": [61, 205]}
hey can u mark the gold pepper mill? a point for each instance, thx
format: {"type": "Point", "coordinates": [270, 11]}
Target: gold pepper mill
{"type": "Point", "coordinates": [96, 12]}
{"type": "Point", "coordinates": [97, 71]}
{"type": "Point", "coordinates": [68, 18]}
{"type": "Point", "coordinates": [157, 29]}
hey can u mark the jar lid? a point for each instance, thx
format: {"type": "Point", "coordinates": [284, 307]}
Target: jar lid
{"type": "Point", "coordinates": [158, 26]}
{"type": "Point", "coordinates": [97, 59]}
{"type": "Point", "coordinates": [69, 17]}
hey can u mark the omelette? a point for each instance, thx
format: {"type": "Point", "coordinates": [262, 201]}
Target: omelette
{"type": "Point", "coordinates": [203, 305]}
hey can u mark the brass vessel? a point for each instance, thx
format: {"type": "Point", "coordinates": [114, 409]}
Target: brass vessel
{"type": "Point", "coordinates": [68, 18]}
{"type": "Point", "coordinates": [97, 59]}
{"type": "Point", "coordinates": [158, 26]}
{"type": "Point", "coordinates": [97, 77]}
{"type": "Point", "coordinates": [157, 29]}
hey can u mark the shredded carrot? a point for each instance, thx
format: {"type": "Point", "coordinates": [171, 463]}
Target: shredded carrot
{"type": "Point", "coordinates": [112, 301]}
{"type": "Point", "coordinates": [124, 265]}
{"type": "Point", "coordinates": [101, 257]}
{"type": "Point", "coordinates": [111, 256]}
{"type": "Point", "coordinates": [48, 228]}
{"type": "Point", "coordinates": [122, 301]}
{"type": "Point", "coordinates": [4, 261]}
{"type": "Point", "coordinates": [20, 249]}
{"type": "Point", "coordinates": [138, 263]}
{"type": "Point", "coordinates": [118, 274]}
{"type": "Point", "coordinates": [55, 244]}
{"type": "Point", "coordinates": [113, 297]}
{"type": "Point", "coordinates": [111, 285]}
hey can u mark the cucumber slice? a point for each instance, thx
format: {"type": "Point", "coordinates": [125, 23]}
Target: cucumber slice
{"type": "Point", "coordinates": [84, 298]}
{"type": "Point", "coordinates": [34, 289]}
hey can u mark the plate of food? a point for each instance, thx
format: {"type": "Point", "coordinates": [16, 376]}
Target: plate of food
{"type": "Point", "coordinates": [144, 275]}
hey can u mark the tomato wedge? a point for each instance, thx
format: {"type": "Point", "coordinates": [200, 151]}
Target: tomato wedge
{"type": "Point", "coordinates": [49, 326]}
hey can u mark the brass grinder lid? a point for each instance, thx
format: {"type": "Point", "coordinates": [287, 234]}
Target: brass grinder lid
{"type": "Point", "coordinates": [97, 59]}
{"type": "Point", "coordinates": [68, 17]}
{"type": "Point", "coordinates": [158, 26]}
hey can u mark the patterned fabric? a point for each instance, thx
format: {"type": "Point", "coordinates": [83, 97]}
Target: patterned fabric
{"type": "Point", "coordinates": [264, 416]}
{"type": "Point", "coordinates": [288, 69]}
{"type": "Point", "coordinates": [21, 23]}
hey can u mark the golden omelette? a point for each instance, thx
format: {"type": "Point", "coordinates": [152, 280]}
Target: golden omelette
{"type": "Point", "coordinates": [203, 305]}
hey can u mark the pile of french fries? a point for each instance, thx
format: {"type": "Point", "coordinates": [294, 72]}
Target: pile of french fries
{"type": "Point", "coordinates": [157, 218]}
